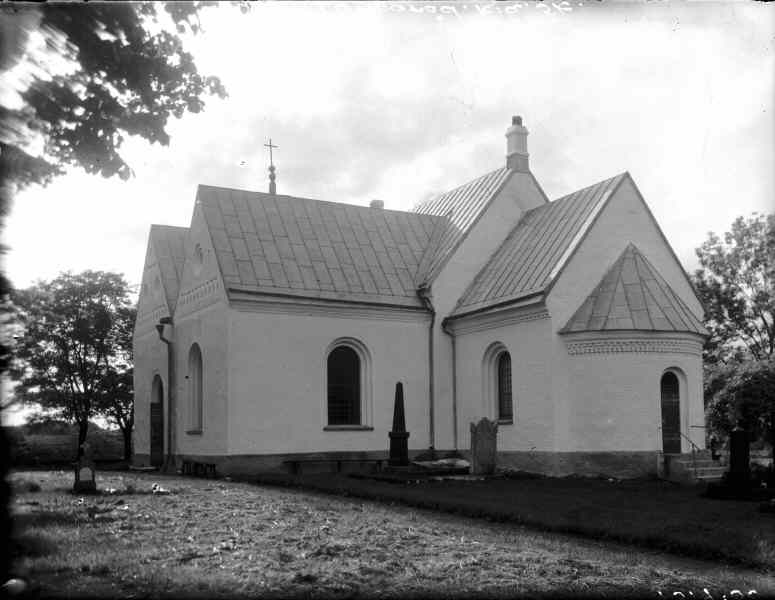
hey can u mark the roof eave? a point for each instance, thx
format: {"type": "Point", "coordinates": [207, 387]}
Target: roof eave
{"type": "Point", "coordinates": [525, 299]}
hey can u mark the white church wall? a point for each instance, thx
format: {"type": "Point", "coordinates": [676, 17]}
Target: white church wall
{"type": "Point", "coordinates": [208, 328]}
{"type": "Point", "coordinates": [615, 403]}
{"type": "Point", "coordinates": [528, 343]}
{"type": "Point", "coordinates": [201, 317]}
{"type": "Point", "coordinates": [624, 219]}
{"type": "Point", "coordinates": [519, 194]}
{"type": "Point", "coordinates": [150, 356]}
{"type": "Point", "coordinates": [585, 388]}
{"type": "Point", "coordinates": [277, 388]}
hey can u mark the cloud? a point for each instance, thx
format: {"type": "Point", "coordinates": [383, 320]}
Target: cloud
{"type": "Point", "coordinates": [366, 102]}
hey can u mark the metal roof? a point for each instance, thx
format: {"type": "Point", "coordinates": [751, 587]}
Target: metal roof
{"type": "Point", "coordinates": [169, 245]}
{"type": "Point", "coordinates": [312, 248]}
{"type": "Point", "coordinates": [535, 251]}
{"type": "Point", "coordinates": [632, 296]}
{"type": "Point", "coordinates": [462, 206]}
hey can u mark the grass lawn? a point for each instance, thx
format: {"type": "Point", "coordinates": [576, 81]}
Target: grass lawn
{"type": "Point", "coordinates": [653, 514]}
{"type": "Point", "coordinates": [218, 538]}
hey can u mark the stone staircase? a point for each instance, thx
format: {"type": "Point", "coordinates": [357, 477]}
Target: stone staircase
{"type": "Point", "coordinates": [685, 468]}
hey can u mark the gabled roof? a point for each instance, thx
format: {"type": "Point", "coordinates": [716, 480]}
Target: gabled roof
{"type": "Point", "coordinates": [633, 296]}
{"type": "Point", "coordinates": [533, 254]}
{"type": "Point", "coordinates": [462, 206]}
{"type": "Point", "coordinates": [311, 248]}
{"type": "Point", "coordinates": [169, 245]}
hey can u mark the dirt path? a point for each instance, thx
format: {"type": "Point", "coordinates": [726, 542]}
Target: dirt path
{"type": "Point", "coordinates": [219, 538]}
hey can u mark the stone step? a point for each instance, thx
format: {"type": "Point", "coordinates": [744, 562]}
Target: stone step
{"type": "Point", "coordinates": [689, 464]}
{"type": "Point", "coordinates": [709, 477]}
{"type": "Point", "coordinates": [710, 471]}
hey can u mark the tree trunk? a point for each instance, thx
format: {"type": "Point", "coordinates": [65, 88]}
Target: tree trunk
{"type": "Point", "coordinates": [127, 433]}
{"type": "Point", "coordinates": [83, 428]}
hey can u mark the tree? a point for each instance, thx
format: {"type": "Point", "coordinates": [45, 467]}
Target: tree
{"type": "Point", "coordinates": [122, 74]}
{"type": "Point", "coordinates": [735, 283]}
{"type": "Point", "coordinates": [116, 400]}
{"type": "Point", "coordinates": [73, 348]}
{"type": "Point", "coordinates": [746, 396]}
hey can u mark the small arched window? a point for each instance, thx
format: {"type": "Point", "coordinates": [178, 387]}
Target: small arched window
{"type": "Point", "coordinates": [505, 406]}
{"type": "Point", "coordinates": [195, 387]}
{"type": "Point", "coordinates": [496, 384]}
{"type": "Point", "coordinates": [344, 387]}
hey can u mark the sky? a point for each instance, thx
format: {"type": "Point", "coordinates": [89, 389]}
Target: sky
{"type": "Point", "coordinates": [405, 100]}
{"type": "Point", "coordinates": [401, 101]}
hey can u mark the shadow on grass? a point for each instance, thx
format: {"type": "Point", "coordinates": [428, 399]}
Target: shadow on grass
{"type": "Point", "coordinates": [50, 518]}
{"type": "Point", "coordinates": [32, 544]}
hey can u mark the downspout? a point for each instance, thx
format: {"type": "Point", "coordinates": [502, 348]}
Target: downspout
{"type": "Point", "coordinates": [423, 292]}
{"type": "Point", "coordinates": [169, 463]}
{"type": "Point", "coordinates": [445, 329]}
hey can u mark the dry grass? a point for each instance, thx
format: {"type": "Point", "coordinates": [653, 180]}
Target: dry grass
{"type": "Point", "coordinates": [216, 538]}
{"type": "Point", "coordinates": [654, 514]}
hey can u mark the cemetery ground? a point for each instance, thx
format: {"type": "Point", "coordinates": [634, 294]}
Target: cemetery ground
{"type": "Point", "coordinates": [222, 538]}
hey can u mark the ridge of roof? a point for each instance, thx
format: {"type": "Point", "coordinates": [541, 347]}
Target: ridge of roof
{"type": "Point", "coordinates": [536, 250]}
{"type": "Point", "coordinates": [632, 295]}
{"type": "Point", "coordinates": [463, 206]}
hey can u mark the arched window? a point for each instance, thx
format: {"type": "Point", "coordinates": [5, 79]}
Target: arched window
{"type": "Point", "coordinates": [505, 407]}
{"type": "Point", "coordinates": [670, 400]}
{"type": "Point", "coordinates": [344, 387]}
{"type": "Point", "coordinates": [496, 383]}
{"type": "Point", "coordinates": [195, 387]}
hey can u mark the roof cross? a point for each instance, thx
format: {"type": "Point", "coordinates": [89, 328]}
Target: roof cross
{"type": "Point", "coordinates": [270, 145]}
{"type": "Point", "coordinates": [272, 176]}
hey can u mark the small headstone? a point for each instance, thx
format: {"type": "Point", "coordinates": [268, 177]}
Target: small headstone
{"type": "Point", "coordinates": [85, 468]}
{"type": "Point", "coordinates": [399, 437]}
{"type": "Point", "coordinates": [739, 458]}
{"type": "Point", "coordinates": [484, 446]}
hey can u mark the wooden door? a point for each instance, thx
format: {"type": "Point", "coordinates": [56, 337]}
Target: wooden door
{"type": "Point", "coordinates": [671, 414]}
{"type": "Point", "coordinates": [157, 422]}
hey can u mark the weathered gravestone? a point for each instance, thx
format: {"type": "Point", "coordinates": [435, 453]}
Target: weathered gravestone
{"type": "Point", "coordinates": [484, 446]}
{"type": "Point", "coordinates": [85, 482]}
{"type": "Point", "coordinates": [399, 449]}
{"type": "Point", "coordinates": [739, 459]}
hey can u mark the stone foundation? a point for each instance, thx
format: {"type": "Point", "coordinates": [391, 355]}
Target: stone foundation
{"type": "Point", "coordinates": [249, 465]}
{"type": "Point", "coordinates": [622, 465]}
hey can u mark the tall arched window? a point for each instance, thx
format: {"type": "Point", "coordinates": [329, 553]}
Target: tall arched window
{"type": "Point", "coordinates": [670, 400]}
{"type": "Point", "coordinates": [344, 387]}
{"type": "Point", "coordinates": [505, 406]}
{"type": "Point", "coordinates": [195, 387]}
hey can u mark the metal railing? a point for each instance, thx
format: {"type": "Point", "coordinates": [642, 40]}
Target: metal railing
{"type": "Point", "coordinates": [695, 449]}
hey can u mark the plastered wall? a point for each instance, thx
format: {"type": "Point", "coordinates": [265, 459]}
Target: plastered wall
{"type": "Point", "coordinates": [529, 344]}
{"type": "Point", "coordinates": [518, 195]}
{"type": "Point", "coordinates": [277, 380]}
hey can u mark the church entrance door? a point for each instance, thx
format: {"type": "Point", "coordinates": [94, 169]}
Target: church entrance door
{"type": "Point", "coordinates": [157, 422]}
{"type": "Point", "coordinates": [671, 414]}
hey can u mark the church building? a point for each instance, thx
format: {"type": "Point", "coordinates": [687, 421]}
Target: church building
{"type": "Point", "coordinates": [275, 328]}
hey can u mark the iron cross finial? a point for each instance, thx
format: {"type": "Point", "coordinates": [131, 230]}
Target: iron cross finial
{"type": "Point", "coordinates": [270, 145]}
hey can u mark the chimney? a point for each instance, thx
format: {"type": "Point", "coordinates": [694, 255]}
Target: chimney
{"type": "Point", "coordinates": [516, 146]}
{"type": "Point", "coordinates": [377, 204]}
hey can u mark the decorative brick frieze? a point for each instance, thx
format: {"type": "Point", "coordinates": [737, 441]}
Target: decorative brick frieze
{"type": "Point", "coordinates": [615, 346]}
{"type": "Point", "coordinates": [197, 293]}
